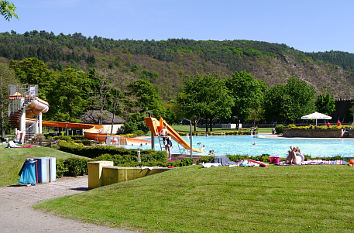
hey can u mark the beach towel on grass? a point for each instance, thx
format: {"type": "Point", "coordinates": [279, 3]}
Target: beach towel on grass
{"type": "Point", "coordinates": [317, 162]}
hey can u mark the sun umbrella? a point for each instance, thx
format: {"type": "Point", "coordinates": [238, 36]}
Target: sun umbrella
{"type": "Point", "coordinates": [316, 115]}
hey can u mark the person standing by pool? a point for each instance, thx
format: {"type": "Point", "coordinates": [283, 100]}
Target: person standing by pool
{"type": "Point", "coordinates": [163, 134]}
{"type": "Point", "coordinates": [168, 145]}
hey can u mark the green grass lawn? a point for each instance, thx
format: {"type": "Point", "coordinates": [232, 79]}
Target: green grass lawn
{"type": "Point", "coordinates": [195, 199]}
{"type": "Point", "coordinates": [11, 160]}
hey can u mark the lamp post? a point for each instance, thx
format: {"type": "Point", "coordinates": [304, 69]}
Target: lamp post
{"type": "Point", "coordinates": [190, 138]}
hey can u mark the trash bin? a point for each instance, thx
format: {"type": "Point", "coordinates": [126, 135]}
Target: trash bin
{"type": "Point", "coordinates": [43, 169]}
{"type": "Point", "coordinates": [28, 172]}
{"type": "Point", "coordinates": [46, 169]}
{"type": "Point", "coordinates": [52, 169]}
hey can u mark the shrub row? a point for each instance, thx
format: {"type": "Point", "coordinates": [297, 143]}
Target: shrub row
{"type": "Point", "coordinates": [131, 161]}
{"type": "Point", "coordinates": [280, 128]}
{"type": "Point", "coordinates": [78, 167]}
{"type": "Point", "coordinates": [126, 154]}
{"type": "Point", "coordinates": [72, 167]}
{"type": "Point", "coordinates": [216, 133]}
{"type": "Point", "coordinates": [261, 158]}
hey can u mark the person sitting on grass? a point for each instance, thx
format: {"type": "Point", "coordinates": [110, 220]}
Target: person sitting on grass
{"type": "Point", "coordinates": [295, 156]}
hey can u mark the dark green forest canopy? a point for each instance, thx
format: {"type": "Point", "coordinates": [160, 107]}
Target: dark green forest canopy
{"type": "Point", "coordinates": [170, 61]}
{"type": "Point", "coordinates": [48, 47]}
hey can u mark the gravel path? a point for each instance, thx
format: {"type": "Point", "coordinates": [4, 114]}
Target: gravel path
{"type": "Point", "coordinates": [17, 214]}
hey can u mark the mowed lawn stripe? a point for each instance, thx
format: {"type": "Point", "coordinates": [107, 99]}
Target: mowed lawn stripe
{"type": "Point", "coordinates": [195, 199]}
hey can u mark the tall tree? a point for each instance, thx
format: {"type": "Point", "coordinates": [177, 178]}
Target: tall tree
{"type": "Point", "coordinates": [325, 103]}
{"type": "Point", "coordinates": [205, 97]}
{"type": "Point", "coordinates": [248, 94]}
{"type": "Point", "coordinates": [34, 71]}
{"type": "Point", "coordinates": [7, 77]}
{"type": "Point", "coordinates": [7, 9]}
{"type": "Point", "coordinates": [290, 101]}
{"type": "Point", "coordinates": [144, 97]}
{"type": "Point", "coordinates": [69, 95]}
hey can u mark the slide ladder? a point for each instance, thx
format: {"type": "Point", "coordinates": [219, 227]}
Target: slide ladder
{"type": "Point", "coordinates": [156, 127]}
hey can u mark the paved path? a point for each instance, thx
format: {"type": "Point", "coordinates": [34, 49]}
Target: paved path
{"type": "Point", "coordinates": [17, 214]}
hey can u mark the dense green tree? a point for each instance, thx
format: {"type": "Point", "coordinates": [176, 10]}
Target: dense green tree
{"type": "Point", "coordinates": [7, 77]}
{"type": "Point", "coordinates": [277, 104]}
{"type": "Point", "coordinates": [69, 95]}
{"type": "Point", "coordinates": [7, 9]}
{"type": "Point", "coordinates": [134, 123]}
{"type": "Point", "coordinates": [290, 101]}
{"type": "Point", "coordinates": [205, 97]}
{"type": "Point", "coordinates": [325, 103]}
{"type": "Point", "coordinates": [144, 97]}
{"type": "Point", "coordinates": [248, 94]}
{"type": "Point", "coordinates": [33, 71]}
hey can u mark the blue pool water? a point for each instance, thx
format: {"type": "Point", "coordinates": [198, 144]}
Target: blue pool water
{"type": "Point", "coordinates": [242, 145]}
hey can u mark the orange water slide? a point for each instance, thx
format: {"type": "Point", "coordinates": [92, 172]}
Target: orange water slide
{"type": "Point", "coordinates": [156, 127]}
{"type": "Point", "coordinates": [91, 131]}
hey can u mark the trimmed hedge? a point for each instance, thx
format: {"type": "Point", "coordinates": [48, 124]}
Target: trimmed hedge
{"type": "Point", "coordinates": [280, 128]}
{"type": "Point", "coordinates": [128, 161]}
{"type": "Point", "coordinates": [72, 167]}
{"type": "Point", "coordinates": [181, 163]}
{"type": "Point", "coordinates": [234, 158]}
{"type": "Point", "coordinates": [126, 154]}
{"type": "Point", "coordinates": [217, 133]}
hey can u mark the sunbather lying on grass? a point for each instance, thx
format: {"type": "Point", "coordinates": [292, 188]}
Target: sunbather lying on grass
{"type": "Point", "coordinates": [295, 156]}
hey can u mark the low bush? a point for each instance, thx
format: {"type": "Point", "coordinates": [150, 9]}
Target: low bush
{"type": "Point", "coordinates": [84, 141]}
{"type": "Point", "coordinates": [129, 161]}
{"type": "Point", "coordinates": [72, 167]}
{"type": "Point", "coordinates": [204, 159]}
{"type": "Point", "coordinates": [118, 159]}
{"type": "Point", "coordinates": [234, 158]}
{"type": "Point", "coordinates": [78, 137]}
{"type": "Point", "coordinates": [216, 133]}
{"type": "Point", "coordinates": [96, 151]}
{"type": "Point", "coordinates": [38, 139]}
{"type": "Point", "coordinates": [279, 129]}
{"type": "Point", "coordinates": [63, 138]}
{"type": "Point", "coordinates": [181, 163]}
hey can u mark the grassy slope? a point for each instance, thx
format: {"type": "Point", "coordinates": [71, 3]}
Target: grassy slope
{"type": "Point", "coordinates": [11, 160]}
{"type": "Point", "coordinates": [194, 199]}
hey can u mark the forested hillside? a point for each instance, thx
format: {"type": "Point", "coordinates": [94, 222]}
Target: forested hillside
{"type": "Point", "coordinates": [166, 63]}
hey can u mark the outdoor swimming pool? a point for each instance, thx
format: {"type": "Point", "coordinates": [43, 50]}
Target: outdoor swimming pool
{"type": "Point", "coordinates": [242, 145]}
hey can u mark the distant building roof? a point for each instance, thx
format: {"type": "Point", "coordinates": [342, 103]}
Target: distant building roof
{"type": "Point", "coordinates": [94, 116]}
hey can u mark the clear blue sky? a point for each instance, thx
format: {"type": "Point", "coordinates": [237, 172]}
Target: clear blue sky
{"type": "Point", "coordinates": [307, 25]}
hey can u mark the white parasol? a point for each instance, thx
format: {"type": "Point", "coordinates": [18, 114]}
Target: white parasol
{"type": "Point", "coordinates": [316, 115]}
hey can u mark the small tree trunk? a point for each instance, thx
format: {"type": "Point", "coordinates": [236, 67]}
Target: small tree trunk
{"type": "Point", "coordinates": [206, 125]}
{"type": "Point", "coordinates": [211, 125]}
{"type": "Point", "coordinates": [2, 123]}
{"type": "Point", "coordinates": [114, 110]}
{"type": "Point", "coordinates": [195, 125]}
